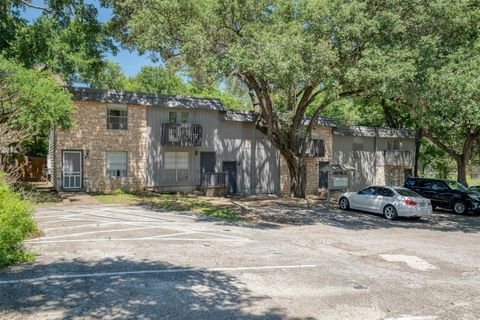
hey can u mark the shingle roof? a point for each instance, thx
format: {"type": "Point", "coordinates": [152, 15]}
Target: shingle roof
{"type": "Point", "coordinates": [239, 115]}
{"type": "Point", "coordinates": [144, 98]}
{"type": "Point", "coordinates": [363, 131]}
{"type": "Point", "coordinates": [249, 116]}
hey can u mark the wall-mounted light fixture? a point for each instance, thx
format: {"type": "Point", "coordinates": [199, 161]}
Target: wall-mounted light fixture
{"type": "Point", "coordinates": [196, 152]}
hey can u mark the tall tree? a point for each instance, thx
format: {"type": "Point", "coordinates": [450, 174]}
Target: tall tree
{"type": "Point", "coordinates": [31, 101]}
{"type": "Point", "coordinates": [443, 98]}
{"type": "Point", "coordinates": [450, 116]}
{"type": "Point", "coordinates": [66, 38]}
{"type": "Point", "coordinates": [157, 79]}
{"type": "Point", "coordinates": [293, 56]}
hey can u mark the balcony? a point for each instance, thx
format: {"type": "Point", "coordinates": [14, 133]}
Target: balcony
{"type": "Point", "coordinates": [182, 134]}
{"type": "Point", "coordinates": [398, 158]}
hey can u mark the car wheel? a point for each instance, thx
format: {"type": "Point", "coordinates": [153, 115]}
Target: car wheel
{"type": "Point", "coordinates": [390, 212]}
{"type": "Point", "coordinates": [459, 207]}
{"type": "Point", "coordinates": [343, 203]}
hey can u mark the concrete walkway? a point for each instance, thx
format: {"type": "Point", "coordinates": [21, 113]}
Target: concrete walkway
{"type": "Point", "coordinates": [77, 198]}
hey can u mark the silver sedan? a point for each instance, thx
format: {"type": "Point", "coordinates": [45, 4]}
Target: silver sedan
{"type": "Point", "coordinates": [392, 202]}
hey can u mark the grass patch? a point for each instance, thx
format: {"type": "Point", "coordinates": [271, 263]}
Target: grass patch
{"type": "Point", "coordinates": [171, 202]}
{"type": "Point", "coordinates": [16, 224]}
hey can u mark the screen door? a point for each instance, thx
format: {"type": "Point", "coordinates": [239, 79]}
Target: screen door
{"type": "Point", "coordinates": [72, 169]}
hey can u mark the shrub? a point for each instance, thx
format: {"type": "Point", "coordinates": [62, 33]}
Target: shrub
{"type": "Point", "coordinates": [118, 192]}
{"type": "Point", "coordinates": [16, 223]}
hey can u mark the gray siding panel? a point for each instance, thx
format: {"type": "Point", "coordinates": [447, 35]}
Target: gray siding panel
{"type": "Point", "coordinates": [258, 161]}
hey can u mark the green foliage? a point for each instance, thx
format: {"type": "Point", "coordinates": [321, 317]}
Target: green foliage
{"type": "Point", "coordinates": [161, 80]}
{"type": "Point", "coordinates": [118, 192]}
{"type": "Point", "coordinates": [294, 57]}
{"type": "Point", "coordinates": [66, 38]}
{"type": "Point", "coordinates": [32, 100]}
{"type": "Point", "coordinates": [110, 77]}
{"type": "Point", "coordinates": [16, 223]}
{"type": "Point", "coordinates": [435, 162]}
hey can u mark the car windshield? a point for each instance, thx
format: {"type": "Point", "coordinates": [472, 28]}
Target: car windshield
{"type": "Point", "coordinates": [456, 186]}
{"type": "Point", "coordinates": [406, 192]}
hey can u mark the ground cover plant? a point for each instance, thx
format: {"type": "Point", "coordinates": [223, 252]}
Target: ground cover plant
{"type": "Point", "coordinates": [16, 224]}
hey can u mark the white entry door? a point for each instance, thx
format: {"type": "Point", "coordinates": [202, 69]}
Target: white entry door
{"type": "Point", "coordinates": [72, 169]}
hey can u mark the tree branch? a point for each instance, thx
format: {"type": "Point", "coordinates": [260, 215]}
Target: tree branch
{"type": "Point", "coordinates": [31, 5]}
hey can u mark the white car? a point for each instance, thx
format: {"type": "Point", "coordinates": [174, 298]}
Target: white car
{"type": "Point", "coordinates": [392, 202]}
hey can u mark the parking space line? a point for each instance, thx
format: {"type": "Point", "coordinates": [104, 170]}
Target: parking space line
{"type": "Point", "coordinates": [138, 239]}
{"type": "Point", "coordinates": [94, 232]}
{"type": "Point", "coordinates": [157, 271]}
{"type": "Point", "coordinates": [131, 223]}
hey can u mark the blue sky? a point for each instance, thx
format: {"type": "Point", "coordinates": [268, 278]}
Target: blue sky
{"type": "Point", "coordinates": [131, 62]}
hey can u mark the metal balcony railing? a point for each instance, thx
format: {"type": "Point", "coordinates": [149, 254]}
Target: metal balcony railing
{"type": "Point", "coordinates": [182, 134]}
{"type": "Point", "coordinates": [214, 179]}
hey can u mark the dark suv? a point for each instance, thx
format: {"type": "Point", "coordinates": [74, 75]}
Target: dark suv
{"type": "Point", "coordinates": [446, 194]}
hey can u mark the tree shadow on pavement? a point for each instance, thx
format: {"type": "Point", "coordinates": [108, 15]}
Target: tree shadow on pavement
{"type": "Point", "coordinates": [184, 294]}
{"type": "Point", "coordinates": [438, 221]}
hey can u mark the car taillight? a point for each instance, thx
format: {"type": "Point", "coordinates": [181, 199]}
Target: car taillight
{"type": "Point", "coordinates": [410, 202]}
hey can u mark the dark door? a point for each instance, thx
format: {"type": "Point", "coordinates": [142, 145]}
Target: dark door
{"type": "Point", "coordinates": [230, 167]}
{"type": "Point", "coordinates": [322, 176]}
{"type": "Point", "coordinates": [207, 164]}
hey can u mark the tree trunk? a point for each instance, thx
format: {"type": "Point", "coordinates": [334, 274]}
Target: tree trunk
{"type": "Point", "coordinates": [297, 170]}
{"type": "Point", "coordinates": [418, 143]}
{"type": "Point", "coordinates": [461, 170]}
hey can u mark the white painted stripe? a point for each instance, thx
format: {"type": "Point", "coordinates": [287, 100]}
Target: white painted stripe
{"type": "Point", "coordinates": [99, 231]}
{"type": "Point", "coordinates": [99, 224]}
{"type": "Point", "coordinates": [170, 235]}
{"type": "Point", "coordinates": [138, 239]}
{"type": "Point", "coordinates": [218, 235]}
{"type": "Point", "coordinates": [157, 271]}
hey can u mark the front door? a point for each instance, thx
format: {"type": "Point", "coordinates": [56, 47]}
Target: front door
{"type": "Point", "coordinates": [207, 164]}
{"type": "Point", "coordinates": [230, 167]}
{"type": "Point", "coordinates": [72, 169]}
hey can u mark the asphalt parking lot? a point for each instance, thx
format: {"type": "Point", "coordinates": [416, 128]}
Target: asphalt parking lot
{"type": "Point", "coordinates": [121, 262]}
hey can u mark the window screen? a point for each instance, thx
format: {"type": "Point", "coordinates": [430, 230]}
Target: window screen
{"type": "Point", "coordinates": [116, 164]}
{"type": "Point", "coordinates": [117, 117]}
{"type": "Point", "coordinates": [176, 166]}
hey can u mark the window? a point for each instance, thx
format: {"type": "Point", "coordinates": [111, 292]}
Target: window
{"type": "Point", "coordinates": [393, 176]}
{"type": "Point", "coordinates": [184, 117]}
{"type": "Point", "coordinates": [368, 191]}
{"type": "Point", "coordinates": [116, 164]}
{"type": "Point", "coordinates": [406, 192]}
{"type": "Point", "coordinates": [456, 186]}
{"type": "Point", "coordinates": [393, 145]}
{"type": "Point", "coordinates": [117, 117]}
{"type": "Point", "coordinates": [385, 192]}
{"type": "Point", "coordinates": [172, 117]}
{"type": "Point", "coordinates": [176, 166]}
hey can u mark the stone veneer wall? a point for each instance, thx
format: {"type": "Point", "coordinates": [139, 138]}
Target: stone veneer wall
{"type": "Point", "coordinates": [324, 133]}
{"type": "Point", "coordinates": [90, 134]}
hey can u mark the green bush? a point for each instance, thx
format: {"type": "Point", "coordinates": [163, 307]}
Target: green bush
{"type": "Point", "coordinates": [16, 223]}
{"type": "Point", "coordinates": [118, 192]}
